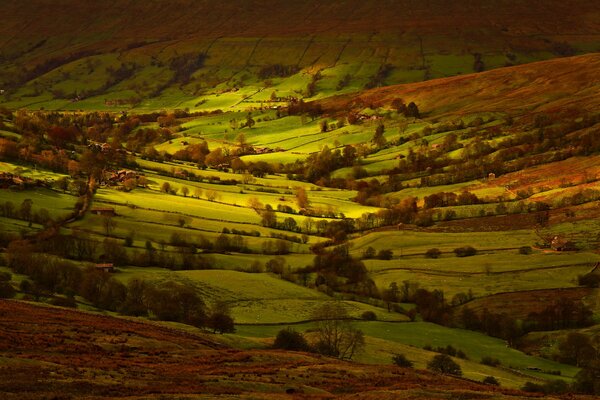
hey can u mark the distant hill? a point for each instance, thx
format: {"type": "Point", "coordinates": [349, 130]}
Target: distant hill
{"type": "Point", "coordinates": [124, 51]}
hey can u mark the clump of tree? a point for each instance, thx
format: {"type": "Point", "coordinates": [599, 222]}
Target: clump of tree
{"type": "Point", "coordinates": [289, 339]}
{"type": "Point", "coordinates": [183, 66]}
{"type": "Point", "coordinates": [277, 71]}
{"type": "Point", "coordinates": [378, 79]}
{"type": "Point", "coordinates": [443, 364]}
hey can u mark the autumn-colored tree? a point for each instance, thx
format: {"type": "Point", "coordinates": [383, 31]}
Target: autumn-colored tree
{"type": "Point", "coordinates": [302, 198]}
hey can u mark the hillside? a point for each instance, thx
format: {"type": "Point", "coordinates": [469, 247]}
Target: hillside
{"type": "Point", "coordinates": [92, 356]}
{"type": "Point", "coordinates": [214, 55]}
{"type": "Point", "coordinates": [548, 86]}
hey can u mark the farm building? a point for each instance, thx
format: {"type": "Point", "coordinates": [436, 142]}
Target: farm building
{"type": "Point", "coordinates": [561, 244]}
{"type": "Point", "coordinates": [105, 267]}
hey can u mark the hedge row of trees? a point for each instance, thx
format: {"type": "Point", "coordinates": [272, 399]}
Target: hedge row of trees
{"type": "Point", "coordinates": [170, 301]}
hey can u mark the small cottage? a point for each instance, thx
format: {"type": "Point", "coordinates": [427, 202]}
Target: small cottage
{"type": "Point", "coordinates": [559, 243]}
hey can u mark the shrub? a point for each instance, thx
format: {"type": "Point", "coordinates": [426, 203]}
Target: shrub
{"type": "Point", "coordinates": [490, 380]}
{"type": "Point", "coordinates": [401, 361]}
{"type": "Point", "coordinates": [492, 362]}
{"type": "Point", "coordinates": [525, 250]}
{"type": "Point", "coordinates": [289, 339]}
{"type": "Point", "coordinates": [5, 276]}
{"type": "Point", "coordinates": [433, 253]}
{"type": "Point", "coordinates": [444, 364]}
{"type": "Point", "coordinates": [466, 251]}
{"type": "Point", "coordinates": [7, 291]}
{"type": "Point", "coordinates": [557, 386]}
{"type": "Point", "coordinates": [591, 280]}
{"type": "Point", "coordinates": [63, 301]}
{"type": "Point", "coordinates": [369, 316]}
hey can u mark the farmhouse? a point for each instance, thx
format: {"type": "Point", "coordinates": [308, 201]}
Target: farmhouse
{"type": "Point", "coordinates": [8, 180]}
{"type": "Point", "coordinates": [106, 211]}
{"type": "Point", "coordinates": [559, 243]}
{"type": "Point", "coordinates": [105, 267]}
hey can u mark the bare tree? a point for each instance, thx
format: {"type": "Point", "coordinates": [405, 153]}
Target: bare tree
{"type": "Point", "coordinates": [109, 224]}
{"type": "Point", "coordinates": [336, 335]}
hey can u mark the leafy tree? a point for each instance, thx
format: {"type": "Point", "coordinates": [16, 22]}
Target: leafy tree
{"type": "Point", "coordinates": [185, 191]}
{"type": "Point", "coordinates": [412, 110]}
{"type": "Point", "coordinates": [249, 121]}
{"type": "Point", "coordinates": [378, 138]}
{"type": "Point", "coordinates": [385, 254]}
{"type": "Point", "coordinates": [433, 253]}
{"type": "Point", "coordinates": [302, 198]}
{"type": "Point", "coordinates": [220, 319]}
{"type": "Point", "coordinates": [369, 316]}
{"type": "Point", "coordinates": [588, 379]}
{"type": "Point", "coordinates": [165, 187]}
{"type": "Point", "coordinates": [442, 363]}
{"type": "Point", "coordinates": [369, 253]}
{"type": "Point", "coordinates": [289, 339]}
{"type": "Point", "coordinates": [576, 349]}
{"type": "Point", "coordinates": [25, 210]}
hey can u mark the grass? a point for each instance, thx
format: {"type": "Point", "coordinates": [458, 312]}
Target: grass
{"type": "Point", "coordinates": [482, 285]}
{"type": "Point", "coordinates": [386, 338]}
{"type": "Point", "coordinates": [57, 204]}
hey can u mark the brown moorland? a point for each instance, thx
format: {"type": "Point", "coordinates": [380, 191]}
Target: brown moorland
{"type": "Point", "coordinates": [557, 85]}
{"type": "Point", "coordinates": [49, 352]}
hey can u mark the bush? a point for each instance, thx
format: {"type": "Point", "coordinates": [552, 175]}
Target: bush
{"type": "Point", "coordinates": [433, 253]}
{"type": "Point", "coordinates": [444, 364]}
{"type": "Point", "coordinates": [466, 251]}
{"type": "Point", "coordinates": [369, 316]}
{"type": "Point", "coordinates": [369, 253]}
{"type": "Point", "coordinates": [525, 250]}
{"type": "Point", "coordinates": [5, 276]}
{"type": "Point", "coordinates": [289, 339]}
{"type": "Point", "coordinates": [385, 254]}
{"type": "Point", "coordinates": [490, 380]}
{"type": "Point", "coordinates": [591, 280]}
{"type": "Point", "coordinates": [63, 302]}
{"type": "Point", "coordinates": [557, 386]}
{"type": "Point", "coordinates": [7, 291]}
{"type": "Point", "coordinates": [401, 361]}
{"type": "Point", "coordinates": [492, 362]}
